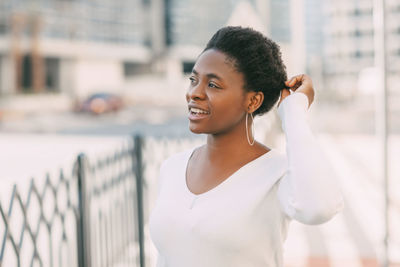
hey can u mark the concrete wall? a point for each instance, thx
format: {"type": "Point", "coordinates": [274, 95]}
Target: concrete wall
{"type": "Point", "coordinates": [89, 76]}
{"type": "Point", "coordinates": [6, 75]}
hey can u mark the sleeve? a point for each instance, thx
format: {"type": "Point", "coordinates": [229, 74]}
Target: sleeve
{"type": "Point", "coordinates": [309, 191]}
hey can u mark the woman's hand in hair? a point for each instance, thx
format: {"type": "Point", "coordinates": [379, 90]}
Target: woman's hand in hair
{"type": "Point", "coordinates": [299, 84]}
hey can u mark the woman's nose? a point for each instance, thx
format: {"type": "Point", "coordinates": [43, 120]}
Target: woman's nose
{"type": "Point", "coordinates": [195, 92]}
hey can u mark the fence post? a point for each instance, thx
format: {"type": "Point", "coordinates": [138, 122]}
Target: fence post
{"type": "Point", "coordinates": [138, 142]}
{"type": "Point", "coordinates": [83, 234]}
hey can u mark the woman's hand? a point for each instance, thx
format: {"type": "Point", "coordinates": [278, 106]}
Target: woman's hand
{"type": "Point", "coordinates": [299, 83]}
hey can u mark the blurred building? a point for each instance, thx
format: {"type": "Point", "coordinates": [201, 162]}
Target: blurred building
{"type": "Point", "coordinates": [349, 45]}
{"type": "Point", "coordinates": [72, 46]}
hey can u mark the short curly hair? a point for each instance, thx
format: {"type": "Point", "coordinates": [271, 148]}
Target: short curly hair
{"type": "Point", "coordinates": [257, 57]}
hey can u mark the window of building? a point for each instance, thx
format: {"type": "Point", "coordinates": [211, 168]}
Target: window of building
{"type": "Point", "coordinates": [50, 74]}
{"type": "Point", "coordinates": [52, 71]}
{"type": "Point", "coordinates": [3, 27]}
{"type": "Point", "coordinates": [27, 73]}
{"type": "Point", "coordinates": [168, 22]}
{"type": "Point", "coordinates": [188, 66]}
{"type": "Point", "coordinates": [135, 68]}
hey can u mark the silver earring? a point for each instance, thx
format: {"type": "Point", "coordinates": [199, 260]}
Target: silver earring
{"type": "Point", "coordinates": [252, 129]}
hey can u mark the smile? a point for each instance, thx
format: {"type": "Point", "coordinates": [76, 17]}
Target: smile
{"type": "Point", "coordinates": [196, 114]}
{"type": "Point", "coordinates": [196, 111]}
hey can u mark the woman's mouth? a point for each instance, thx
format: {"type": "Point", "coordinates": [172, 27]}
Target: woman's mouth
{"type": "Point", "coordinates": [197, 113]}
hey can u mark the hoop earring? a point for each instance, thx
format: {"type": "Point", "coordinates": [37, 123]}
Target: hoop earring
{"type": "Point", "coordinates": [252, 129]}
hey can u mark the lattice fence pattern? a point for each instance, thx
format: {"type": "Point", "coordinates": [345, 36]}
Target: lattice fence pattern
{"type": "Point", "coordinates": [39, 228]}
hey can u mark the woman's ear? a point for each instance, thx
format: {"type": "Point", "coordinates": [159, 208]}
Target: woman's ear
{"type": "Point", "coordinates": [255, 99]}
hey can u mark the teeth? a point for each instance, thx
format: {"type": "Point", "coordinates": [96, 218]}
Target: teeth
{"type": "Point", "coordinates": [197, 110]}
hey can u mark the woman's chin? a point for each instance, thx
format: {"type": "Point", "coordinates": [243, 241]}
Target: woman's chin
{"type": "Point", "coordinates": [195, 130]}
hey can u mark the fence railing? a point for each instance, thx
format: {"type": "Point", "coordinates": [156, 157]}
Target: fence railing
{"type": "Point", "coordinates": [39, 228]}
{"type": "Point", "coordinates": [92, 215]}
{"type": "Point", "coordinates": [111, 208]}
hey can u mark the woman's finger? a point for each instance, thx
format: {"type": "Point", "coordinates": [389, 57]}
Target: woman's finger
{"type": "Point", "coordinates": [294, 80]}
{"type": "Point", "coordinates": [284, 93]}
{"type": "Point", "coordinates": [289, 82]}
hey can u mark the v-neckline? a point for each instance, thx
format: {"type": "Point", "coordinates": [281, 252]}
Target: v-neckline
{"type": "Point", "coordinates": [224, 182]}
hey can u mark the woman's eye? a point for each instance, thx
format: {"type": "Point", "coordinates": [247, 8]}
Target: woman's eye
{"type": "Point", "coordinates": [213, 85]}
{"type": "Point", "coordinates": [192, 80]}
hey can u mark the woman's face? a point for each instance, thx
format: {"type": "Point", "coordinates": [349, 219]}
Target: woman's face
{"type": "Point", "coordinates": [216, 98]}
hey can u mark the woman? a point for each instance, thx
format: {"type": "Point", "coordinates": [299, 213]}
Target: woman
{"type": "Point", "coordinates": [228, 203]}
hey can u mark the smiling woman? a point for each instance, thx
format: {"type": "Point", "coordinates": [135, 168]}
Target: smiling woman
{"type": "Point", "coordinates": [229, 201]}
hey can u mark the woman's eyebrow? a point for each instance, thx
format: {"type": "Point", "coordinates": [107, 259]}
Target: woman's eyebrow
{"type": "Point", "coordinates": [215, 76]}
{"type": "Point", "coordinates": [209, 75]}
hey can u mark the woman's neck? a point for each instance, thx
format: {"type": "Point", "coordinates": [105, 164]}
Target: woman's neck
{"type": "Point", "coordinates": [231, 144]}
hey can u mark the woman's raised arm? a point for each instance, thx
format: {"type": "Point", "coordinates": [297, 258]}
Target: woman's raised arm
{"type": "Point", "coordinates": [309, 192]}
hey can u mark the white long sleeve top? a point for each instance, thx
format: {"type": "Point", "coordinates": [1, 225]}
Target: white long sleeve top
{"type": "Point", "coordinates": [244, 220]}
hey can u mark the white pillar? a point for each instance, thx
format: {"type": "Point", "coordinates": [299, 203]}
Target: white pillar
{"type": "Point", "coordinates": [7, 75]}
{"type": "Point", "coordinates": [157, 26]}
{"type": "Point", "coordinates": [297, 29]}
{"type": "Point", "coordinates": [382, 115]}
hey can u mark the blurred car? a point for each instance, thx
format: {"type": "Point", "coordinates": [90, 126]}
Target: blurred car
{"type": "Point", "coordinates": [100, 103]}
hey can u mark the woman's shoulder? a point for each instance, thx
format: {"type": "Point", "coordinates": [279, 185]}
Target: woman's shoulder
{"type": "Point", "coordinates": [273, 164]}
{"type": "Point", "coordinates": [276, 158]}
{"type": "Point", "coordinates": [275, 154]}
{"type": "Point", "coordinates": [279, 154]}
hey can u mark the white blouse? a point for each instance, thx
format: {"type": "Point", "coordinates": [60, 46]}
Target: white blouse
{"type": "Point", "coordinates": [244, 220]}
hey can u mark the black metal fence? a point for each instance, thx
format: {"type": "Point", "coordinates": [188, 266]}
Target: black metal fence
{"type": "Point", "coordinates": [40, 228]}
{"type": "Point", "coordinates": [90, 216]}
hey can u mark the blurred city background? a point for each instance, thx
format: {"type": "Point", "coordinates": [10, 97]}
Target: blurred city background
{"type": "Point", "coordinates": [85, 76]}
